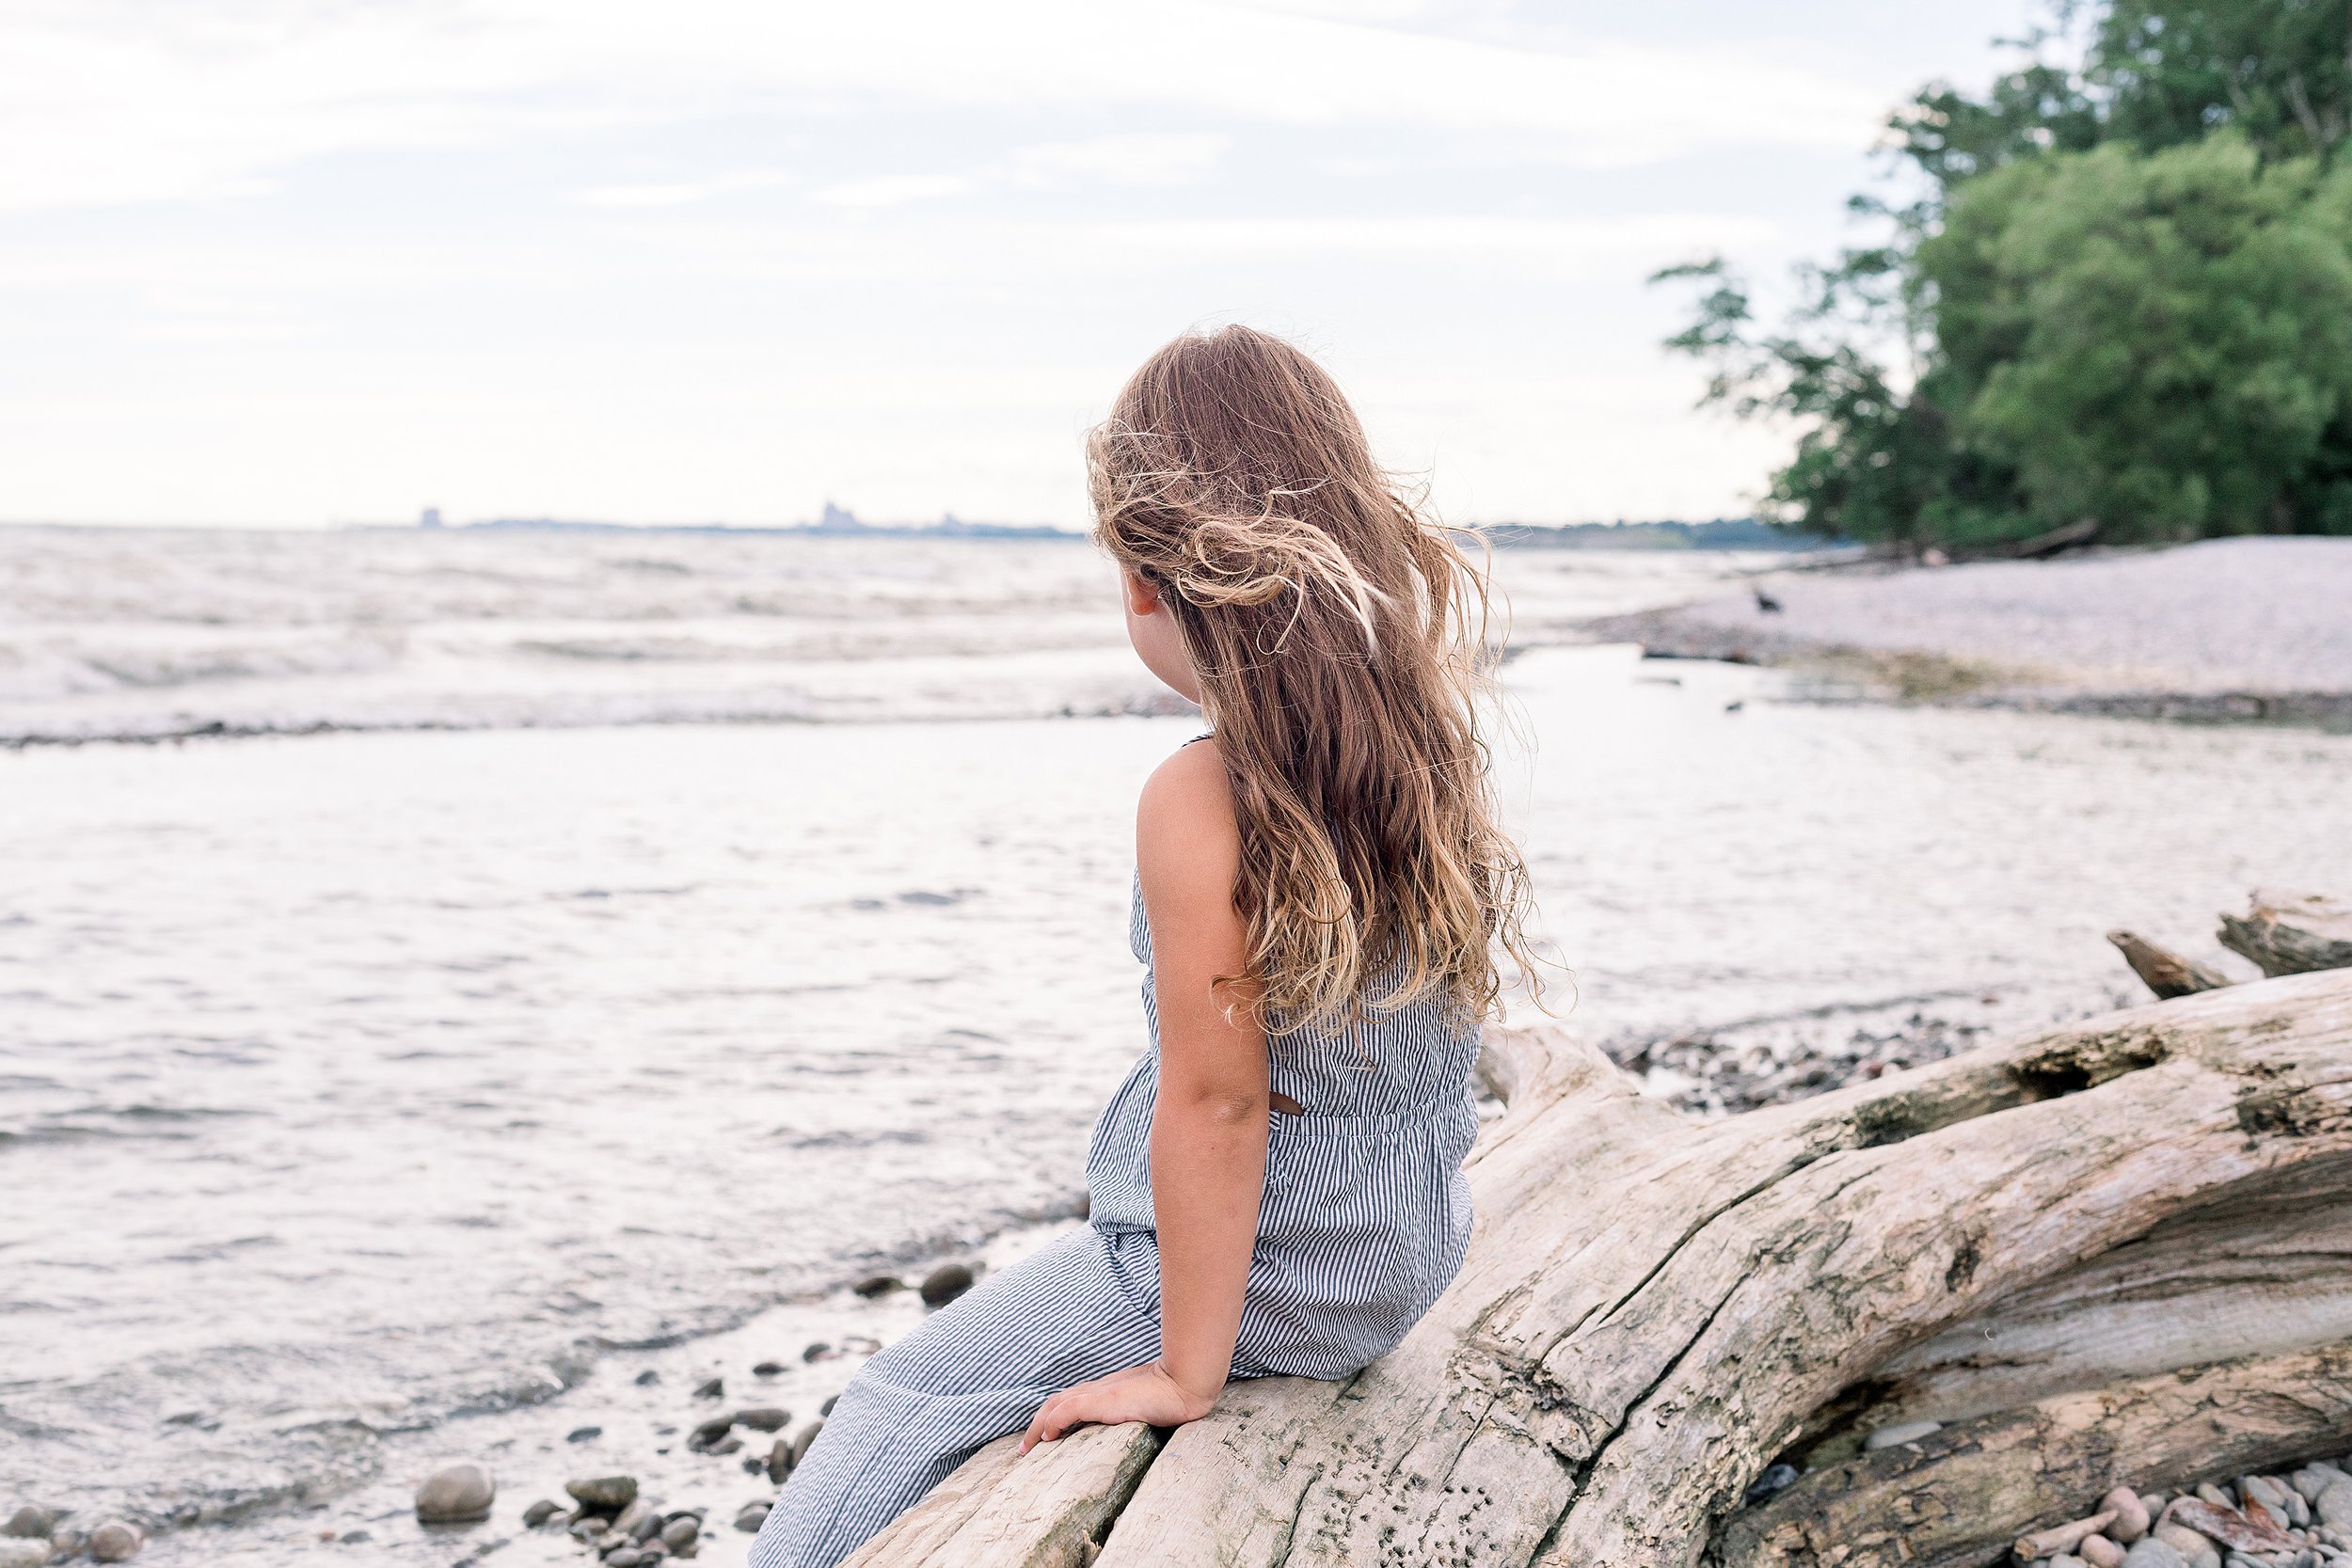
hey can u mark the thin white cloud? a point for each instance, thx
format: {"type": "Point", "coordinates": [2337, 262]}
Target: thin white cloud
{"type": "Point", "coordinates": [892, 190]}
{"type": "Point", "coordinates": [685, 193]}
{"type": "Point", "coordinates": [1589, 242]}
{"type": "Point", "coordinates": [197, 99]}
{"type": "Point", "coordinates": [1175, 159]}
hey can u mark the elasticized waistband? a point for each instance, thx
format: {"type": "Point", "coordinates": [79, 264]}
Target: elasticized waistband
{"type": "Point", "coordinates": [1313, 1124]}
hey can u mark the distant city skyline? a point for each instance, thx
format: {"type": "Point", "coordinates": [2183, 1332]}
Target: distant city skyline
{"type": "Point", "coordinates": [833, 518]}
{"type": "Point", "coordinates": [275, 264]}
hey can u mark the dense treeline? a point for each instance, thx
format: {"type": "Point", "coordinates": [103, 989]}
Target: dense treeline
{"type": "Point", "coordinates": [2124, 301]}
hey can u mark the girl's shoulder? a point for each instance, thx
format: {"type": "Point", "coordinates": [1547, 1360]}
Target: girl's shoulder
{"type": "Point", "coordinates": [1188, 796]}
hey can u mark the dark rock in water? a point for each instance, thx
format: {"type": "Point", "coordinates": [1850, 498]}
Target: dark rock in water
{"type": "Point", "coordinates": [540, 1512]}
{"type": "Point", "coordinates": [624, 1556]}
{"type": "Point", "coordinates": [879, 1285]}
{"type": "Point", "coordinates": [715, 1390]}
{"type": "Point", "coordinates": [821, 1351]}
{"type": "Point", "coordinates": [729, 1444]}
{"type": "Point", "coordinates": [116, 1542]}
{"type": "Point", "coordinates": [355, 1538]}
{"type": "Point", "coordinates": [945, 1284]}
{"type": "Point", "coordinates": [826, 1409]}
{"type": "Point", "coordinates": [647, 1378]}
{"type": "Point", "coordinates": [753, 1463]}
{"type": "Point", "coordinates": [458, 1495]}
{"type": "Point", "coordinates": [33, 1523]}
{"type": "Point", "coordinates": [768, 1369]}
{"type": "Point", "coordinates": [752, 1517]}
{"type": "Point", "coordinates": [780, 1461]}
{"type": "Point", "coordinates": [709, 1431]}
{"type": "Point", "coordinates": [604, 1493]}
{"type": "Point", "coordinates": [765, 1417]}
{"type": "Point", "coordinates": [802, 1440]}
{"type": "Point", "coordinates": [583, 1434]}
{"type": "Point", "coordinates": [1775, 1480]}
{"type": "Point", "coordinates": [681, 1531]}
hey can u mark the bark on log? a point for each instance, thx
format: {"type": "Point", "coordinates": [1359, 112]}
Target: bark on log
{"type": "Point", "coordinates": [1653, 1308]}
{"type": "Point", "coordinates": [2292, 933]}
{"type": "Point", "coordinates": [2167, 973]}
{"type": "Point", "coordinates": [1956, 1498]}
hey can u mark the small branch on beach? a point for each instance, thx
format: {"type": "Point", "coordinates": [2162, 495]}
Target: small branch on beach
{"type": "Point", "coordinates": [2292, 933]}
{"type": "Point", "coordinates": [2069, 536]}
{"type": "Point", "coordinates": [2167, 974]}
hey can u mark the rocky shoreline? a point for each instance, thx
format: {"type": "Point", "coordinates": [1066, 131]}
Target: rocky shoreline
{"type": "Point", "coordinates": [655, 1452]}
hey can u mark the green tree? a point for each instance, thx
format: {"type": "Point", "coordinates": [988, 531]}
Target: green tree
{"type": "Point", "coordinates": [2160, 343]}
{"type": "Point", "coordinates": [2277, 71]}
{"type": "Point", "coordinates": [1873, 461]}
{"type": "Point", "coordinates": [2117, 294]}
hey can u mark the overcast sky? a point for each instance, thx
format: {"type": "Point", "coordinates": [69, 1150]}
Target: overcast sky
{"type": "Point", "coordinates": [303, 261]}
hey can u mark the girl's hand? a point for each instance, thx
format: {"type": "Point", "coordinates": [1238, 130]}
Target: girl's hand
{"type": "Point", "coordinates": [1144, 1393]}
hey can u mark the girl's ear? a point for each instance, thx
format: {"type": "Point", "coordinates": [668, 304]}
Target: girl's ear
{"type": "Point", "coordinates": [1142, 598]}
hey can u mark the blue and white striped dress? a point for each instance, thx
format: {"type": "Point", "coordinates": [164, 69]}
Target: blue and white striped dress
{"type": "Point", "coordinates": [1364, 1221]}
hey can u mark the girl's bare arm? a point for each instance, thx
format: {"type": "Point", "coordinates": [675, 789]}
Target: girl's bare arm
{"type": "Point", "coordinates": [1209, 1122]}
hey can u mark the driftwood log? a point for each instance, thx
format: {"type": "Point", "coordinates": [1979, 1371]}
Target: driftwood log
{"type": "Point", "coordinates": [2283, 933]}
{"type": "Point", "coordinates": [1654, 1309]}
{"type": "Point", "coordinates": [2292, 933]}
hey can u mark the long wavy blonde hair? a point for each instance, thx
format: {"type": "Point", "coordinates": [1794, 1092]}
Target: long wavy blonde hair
{"type": "Point", "coordinates": [1337, 635]}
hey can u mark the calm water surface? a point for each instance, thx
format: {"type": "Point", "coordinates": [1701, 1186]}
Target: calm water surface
{"type": "Point", "coordinates": [374, 1096]}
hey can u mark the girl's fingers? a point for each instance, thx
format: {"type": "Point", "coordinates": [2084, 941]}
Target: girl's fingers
{"type": "Point", "coordinates": [1060, 1413]}
{"type": "Point", "coordinates": [1049, 1424]}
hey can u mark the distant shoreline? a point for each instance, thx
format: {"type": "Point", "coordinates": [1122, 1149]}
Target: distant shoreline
{"type": "Point", "coordinates": [1722, 534]}
{"type": "Point", "coordinates": [2244, 630]}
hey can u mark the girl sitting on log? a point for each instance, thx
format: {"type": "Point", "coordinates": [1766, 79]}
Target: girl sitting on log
{"type": "Point", "coordinates": [1277, 1186]}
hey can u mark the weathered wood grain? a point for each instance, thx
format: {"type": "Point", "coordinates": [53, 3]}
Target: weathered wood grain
{"type": "Point", "coordinates": [2267, 1272]}
{"type": "Point", "coordinates": [1956, 1498]}
{"type": "Point", "coordinates": [1046, 1509]}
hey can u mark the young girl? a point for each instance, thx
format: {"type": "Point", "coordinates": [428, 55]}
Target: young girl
{"type": "Point", "coordinates": [1277, 1187]}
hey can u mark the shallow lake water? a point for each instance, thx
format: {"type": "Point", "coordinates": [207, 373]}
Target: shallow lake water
{"type": "Point", "coordinates": [373, 1098]}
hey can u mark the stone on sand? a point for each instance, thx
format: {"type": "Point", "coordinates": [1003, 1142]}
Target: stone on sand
{"type": "Point", "coordinates": [603, 1494]}
{"type": "Point", "coordinates": [32, 1523]}
{"type": "Point", "coordinates": [116, 1542]}
{"type": "Point", "coordinates": [457, 1494]}
{"type": "Point", "coordinates": [945, 1283]}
